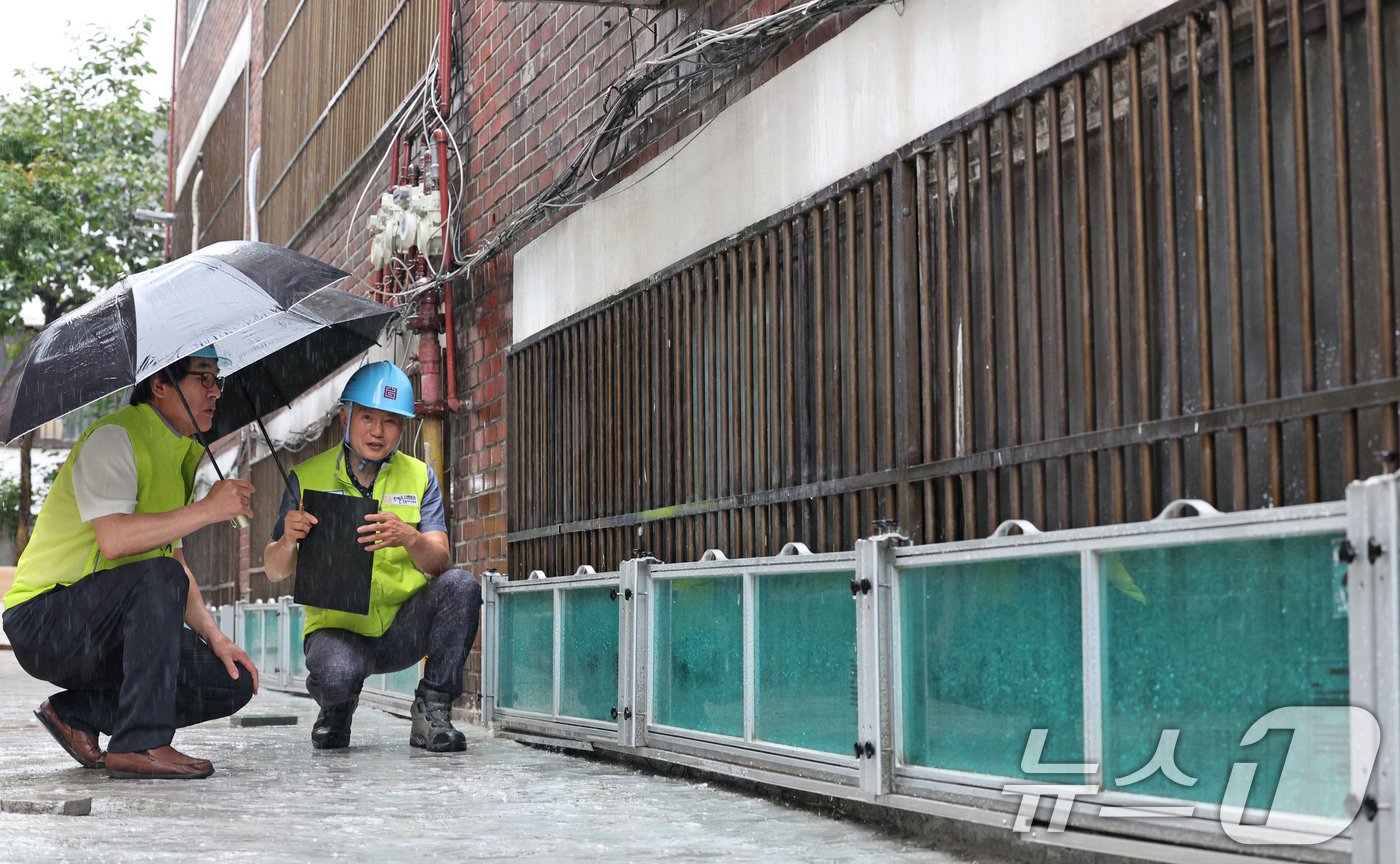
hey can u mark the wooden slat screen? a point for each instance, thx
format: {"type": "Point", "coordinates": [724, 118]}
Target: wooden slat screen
{"type": "Point", "coordinates": [748, 374]}
{"type": "Point", "coordinates": [328, 87]}
{"type": "Point", "coordinates": [1026, 314]}
{"type": "Point", "coordinates": [212, 555]}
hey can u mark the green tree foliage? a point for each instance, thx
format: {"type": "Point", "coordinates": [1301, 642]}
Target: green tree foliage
{"type": "Point", "coordinates": [10, 496]}
{"type": "Point", "coordinates": [78, 154]}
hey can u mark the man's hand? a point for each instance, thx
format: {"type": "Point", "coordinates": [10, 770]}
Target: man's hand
{"type": "Point", "coordinates": [385, 530]}
{"type": "Point", "coordinates": [233, 657]}
{"type": "Point", "coordinates": [297, 524]}
{"type": "Point", "coordinates": [227, 499]}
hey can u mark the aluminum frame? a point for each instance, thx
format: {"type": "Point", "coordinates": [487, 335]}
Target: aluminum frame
{"type": "Point", "coordinates": [794, 559]}
{"type": "Point", "coordinates": [497, 714]}
{"type": "Point", "coordinates": [1374, 633]}
{"type": "Point", "coordinates": [1088, 544]}
{"type": "Point", "coordinates": [885, 779]}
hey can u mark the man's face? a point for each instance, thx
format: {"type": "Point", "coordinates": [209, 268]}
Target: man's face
{"type": "Point", "coordinates": [374, 434]}
{"type": "Point", "coordinates": [202, 399]}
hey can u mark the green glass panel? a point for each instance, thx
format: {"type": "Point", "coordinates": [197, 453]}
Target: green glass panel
{"type": "Point", "coordinates": [404, 681]}
{"type": "Point", "coordinates": [698, 669]}
{"type": "Point", "coordinates": [272, 640]}
{"type": "Point", "coordinates": [1206, 639]}
{"type": "Point", "coordinates": [990, 651]}
{"type": "Point", "coordinates": [527, 650]}
{"type": "Point", "coordinates": [298, 623]}
{"type": "Point", "coordinates": [252, 635]}
{"type": "Point", "coordinates": [588, 679]}
{"type": "Point", "coordinates": [805, 661]}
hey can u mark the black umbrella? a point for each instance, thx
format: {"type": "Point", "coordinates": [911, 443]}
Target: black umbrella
{"type": "Point", "coordinates": [275, 314]}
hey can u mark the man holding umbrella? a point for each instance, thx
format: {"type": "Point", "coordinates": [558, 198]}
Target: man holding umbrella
{"type": "Point", "coordinates": [102, 591]}
{"type": "Point", "coordinates": [417, 605]}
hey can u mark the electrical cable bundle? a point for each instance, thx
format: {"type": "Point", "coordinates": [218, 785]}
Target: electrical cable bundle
{"type": "Point", "coordinates": [665, 76]}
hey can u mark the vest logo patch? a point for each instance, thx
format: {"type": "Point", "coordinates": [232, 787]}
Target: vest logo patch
{"type": "Point", "coordinates": [403, 500]}
{"type": "Point", "coordinates": [391, 392]}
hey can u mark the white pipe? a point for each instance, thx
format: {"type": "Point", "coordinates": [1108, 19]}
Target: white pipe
{"type": "Point", "coordinates": [252, 185]}
{"type": "Point", "coordinates": [194, 210]}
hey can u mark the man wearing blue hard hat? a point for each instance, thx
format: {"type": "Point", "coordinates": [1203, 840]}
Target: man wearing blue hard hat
{"type": "Point", "coordinates": [418, 605]}
{"type": "Point", "coordinates": [102, 595]}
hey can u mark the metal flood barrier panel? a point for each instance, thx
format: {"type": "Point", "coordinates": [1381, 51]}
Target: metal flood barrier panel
{"type": "Point", "coordinates": [1196, 687]}
{"type": "Point", "coordinates": [270, 631]}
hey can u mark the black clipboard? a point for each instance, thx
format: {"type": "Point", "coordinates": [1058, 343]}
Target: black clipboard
{"type": "Point", "coordinates": [333, 569]}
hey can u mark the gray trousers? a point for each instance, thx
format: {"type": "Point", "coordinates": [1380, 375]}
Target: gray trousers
{"type": "Point", "coordinates": [438, 622]}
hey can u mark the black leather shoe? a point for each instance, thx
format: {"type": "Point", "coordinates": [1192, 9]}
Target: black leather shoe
{"type": "Point", "coordinates": [332, 728]}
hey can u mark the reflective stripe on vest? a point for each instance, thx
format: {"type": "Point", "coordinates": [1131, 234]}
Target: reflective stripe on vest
{"type": "Point", "coordinates": [399, 489]}
{"type": "Point", "coordinates": [63, 548]}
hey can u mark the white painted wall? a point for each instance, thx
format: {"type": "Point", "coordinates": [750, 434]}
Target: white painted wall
{"type": "Point", "coordinates": [880, 84]}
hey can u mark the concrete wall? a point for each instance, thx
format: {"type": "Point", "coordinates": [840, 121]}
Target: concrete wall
{"type": "Point", "coordinates": [883, 82]}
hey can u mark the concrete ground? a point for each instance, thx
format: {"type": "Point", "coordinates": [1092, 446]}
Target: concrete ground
{"type": "Point", "coordinates": [272, 798]}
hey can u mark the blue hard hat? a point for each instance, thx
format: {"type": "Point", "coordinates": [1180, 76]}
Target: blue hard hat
{"type": "Point", "coordinates": [380, 385]}
{"type": "Point", "coordinates": [209, 353]}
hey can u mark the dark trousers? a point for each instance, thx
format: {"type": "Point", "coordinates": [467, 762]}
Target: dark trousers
{"type": "Point", "coordinates": [439, 621]}
{"type": "Point", "coordinates": [116, 643]}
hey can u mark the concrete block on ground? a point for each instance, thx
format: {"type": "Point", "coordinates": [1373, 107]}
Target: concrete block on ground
{"type": "Point", "coordinates": [46, 804]}
{"type": "Point", "coordinates": [250, 720]}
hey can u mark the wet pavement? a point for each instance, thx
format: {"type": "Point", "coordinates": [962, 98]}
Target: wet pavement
{"type": "Point", "coordinates": [272, 798]}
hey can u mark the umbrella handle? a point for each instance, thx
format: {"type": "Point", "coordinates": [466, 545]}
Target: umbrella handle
{"type": "Point", "coordinates": [271, 448]}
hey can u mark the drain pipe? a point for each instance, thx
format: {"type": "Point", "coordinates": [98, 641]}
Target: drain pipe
{"type": "Point", "coordinates": [253, 164]}
{"type": "Point", "coordinates": [194, 206]}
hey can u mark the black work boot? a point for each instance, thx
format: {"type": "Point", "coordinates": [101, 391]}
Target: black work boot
{"type": "Point", "coordinates": [332, 729]}
{"type": "Point", "coordinates": [432, 723]}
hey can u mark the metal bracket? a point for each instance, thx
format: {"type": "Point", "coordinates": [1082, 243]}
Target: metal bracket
{"type": "Point", "coordinates": [1015, 526]}
{"type": "Point", "coordinates": [1177, 509]}
{"type": "Point", "coordinates": [794, 548]}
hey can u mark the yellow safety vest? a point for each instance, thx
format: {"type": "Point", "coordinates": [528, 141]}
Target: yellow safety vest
{"type": "Point", "coordinates": [399, 489]}
{"type": "Point", "coordinates": [63, 548]}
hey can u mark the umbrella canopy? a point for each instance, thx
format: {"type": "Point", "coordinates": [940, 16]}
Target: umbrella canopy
{"type": "Point", "coordinates": [275, 314]}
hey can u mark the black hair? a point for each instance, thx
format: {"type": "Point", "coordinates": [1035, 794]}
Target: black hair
{"type": "Point", "coordinates": [174, 373]}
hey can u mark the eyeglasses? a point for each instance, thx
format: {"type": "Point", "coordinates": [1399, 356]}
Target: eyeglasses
{"type": "Point", "coordinates": [208, 380]}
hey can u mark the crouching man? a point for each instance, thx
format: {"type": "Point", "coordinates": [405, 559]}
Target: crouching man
{"type": "Point", "coordinates": [418, 606]}
{"type": "Point", "coordinates": [102, 594]}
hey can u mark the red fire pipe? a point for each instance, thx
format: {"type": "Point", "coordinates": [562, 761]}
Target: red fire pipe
{"type": "Point", "coordinates": [440, 136]}
{"type": "Point", "coordinates": [448, 316]}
